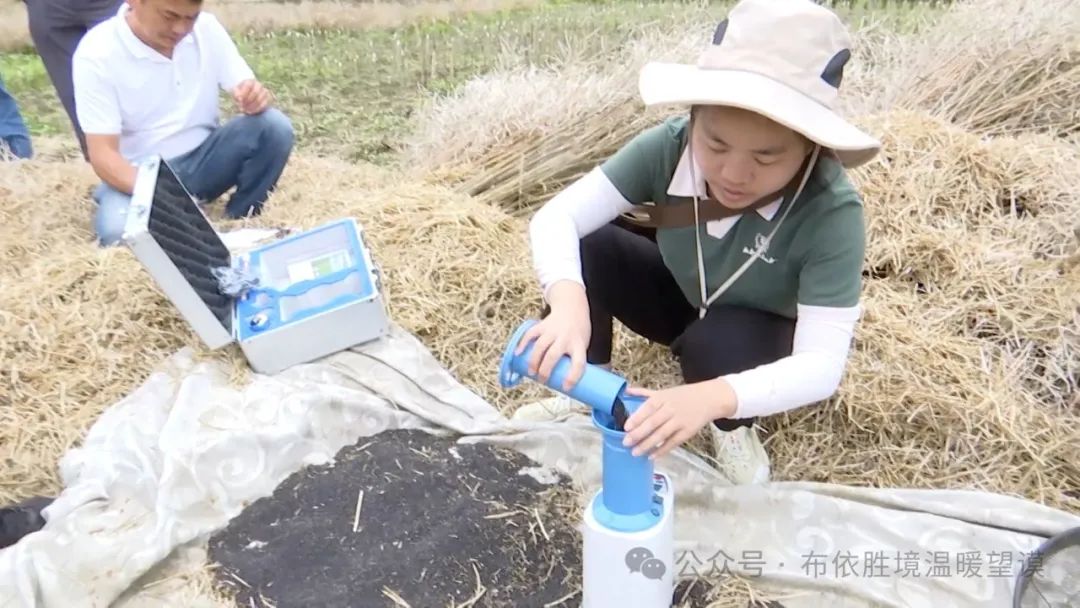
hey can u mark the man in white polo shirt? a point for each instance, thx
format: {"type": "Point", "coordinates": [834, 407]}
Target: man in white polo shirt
{"type": "Point", "coordinates": [147, 83]}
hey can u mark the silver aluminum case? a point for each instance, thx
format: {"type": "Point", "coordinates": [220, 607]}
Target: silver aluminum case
{"type": "Point", "coordinates": [275, 350]}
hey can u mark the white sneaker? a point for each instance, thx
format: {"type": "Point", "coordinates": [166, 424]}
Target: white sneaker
{"type": "Point", "coordinates": [552, 409]}
{"type": "Point", "coordinates": [740, 455]}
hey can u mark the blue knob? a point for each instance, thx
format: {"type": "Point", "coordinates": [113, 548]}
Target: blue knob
{"type": "Point", "coordinates": [260, 320]}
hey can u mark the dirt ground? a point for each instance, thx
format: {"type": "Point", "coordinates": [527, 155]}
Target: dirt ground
{"type": "Point", "coordinates": [439, 525]}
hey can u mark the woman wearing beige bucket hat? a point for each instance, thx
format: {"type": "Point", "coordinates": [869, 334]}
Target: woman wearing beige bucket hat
{"type": "Point", "coordinates": [754, 274]}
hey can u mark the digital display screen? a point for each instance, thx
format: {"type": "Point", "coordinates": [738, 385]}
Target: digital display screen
{"type": "Point", "coordinates": [320, 266]}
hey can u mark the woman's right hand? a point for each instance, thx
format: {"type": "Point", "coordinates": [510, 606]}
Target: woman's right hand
{"type": "Point", "coordinates": [565, 331]}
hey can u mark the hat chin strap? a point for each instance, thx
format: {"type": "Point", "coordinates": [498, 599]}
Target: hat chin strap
{"type": "Point", "coordinates": [762, 247]}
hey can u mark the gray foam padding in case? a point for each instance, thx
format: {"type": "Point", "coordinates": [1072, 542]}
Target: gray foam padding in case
{"type": "Point", "coordinates": [183, 232]}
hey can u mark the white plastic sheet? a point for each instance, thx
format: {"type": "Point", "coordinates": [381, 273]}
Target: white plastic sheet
{"type": "Point", "coordinates": [175, 460]}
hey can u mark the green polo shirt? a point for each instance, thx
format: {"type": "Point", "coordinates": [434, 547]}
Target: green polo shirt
{"type": "Point", "coordinates": [815, 258]}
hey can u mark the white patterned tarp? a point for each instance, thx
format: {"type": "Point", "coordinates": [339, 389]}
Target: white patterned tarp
{"type": "Point", "coordinates": [172, 462]}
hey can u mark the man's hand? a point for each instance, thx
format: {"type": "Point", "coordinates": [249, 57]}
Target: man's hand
{"type": "Point", "coordinates": [671, 416]}
{"type": "Point", "coordinates": [109, 165]}
{"type": "Point", "coordinates": [251, 97]}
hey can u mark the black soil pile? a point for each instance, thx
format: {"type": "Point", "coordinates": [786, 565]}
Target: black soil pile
{"type": "Point", "coordinates": [439, 524]}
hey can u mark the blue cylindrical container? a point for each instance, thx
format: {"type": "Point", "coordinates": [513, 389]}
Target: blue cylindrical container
{"type": "Point", "coordinates": [626, 502]}
{"type": "Point", "coordinates": [596, 388]}
{"type": "Point", "coordinates": [627, 479]}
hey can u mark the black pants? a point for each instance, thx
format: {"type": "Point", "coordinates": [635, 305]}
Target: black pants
{"type": "Point", "coordinates": [56, 27]}
{"type": "Point", "coordinates": [626, 279]}
{"type": "Point", "coordinates": [18, 520]}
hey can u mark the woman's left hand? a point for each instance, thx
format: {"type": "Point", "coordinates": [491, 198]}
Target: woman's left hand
{"type": "Point", "coordinates": [671, 416]}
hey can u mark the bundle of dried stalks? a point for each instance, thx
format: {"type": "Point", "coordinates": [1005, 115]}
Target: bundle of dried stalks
{"type": "Point", "coordinates": [553, 159]}
{"type": "Point", "coordinates": [994, 66]}
{"type": "Point", "coordinates": [518, 166]}
{"type": "Point", "coordinates": [513, 137]}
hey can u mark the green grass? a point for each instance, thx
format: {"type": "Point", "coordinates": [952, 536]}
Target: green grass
{"type": "Point", "coordinates": [351, 93]}
{"type": "Point", "coordinates": [25, 78]}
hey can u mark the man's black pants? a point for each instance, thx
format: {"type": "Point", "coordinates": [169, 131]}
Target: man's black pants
{"type": "Point", "coordinates": [626, 279]}
{"type": "Point", "coordinates": [56, 27]}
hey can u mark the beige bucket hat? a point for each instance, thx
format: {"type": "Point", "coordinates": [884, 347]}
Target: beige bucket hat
{"type": "Point", "coordinates": [783, 59]}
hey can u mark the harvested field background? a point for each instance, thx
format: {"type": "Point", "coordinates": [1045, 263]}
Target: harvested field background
{"type": "Point", "coordinates": [442, 136]}
{"type": "Point", "coordinates": [265, 16]}
{"type": "Point", "coordinates": [355, 92]}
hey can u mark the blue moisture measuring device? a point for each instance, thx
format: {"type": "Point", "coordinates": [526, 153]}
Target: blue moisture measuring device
{"type": "Point", "coordinates": [305, 296]}
{"type": "Point", "coordinates": [628, 549]}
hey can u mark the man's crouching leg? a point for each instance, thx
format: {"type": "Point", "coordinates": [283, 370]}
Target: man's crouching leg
{"type": "Point", "coordinates": [270, 137]}
{"type": "Point", "coordinates": [111, 214]}
{"type": "Point", "coordinates": [248, 152]}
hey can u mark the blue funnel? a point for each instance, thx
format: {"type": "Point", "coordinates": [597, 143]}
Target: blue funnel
{"type": "Point", "coordinates": [626, 499]}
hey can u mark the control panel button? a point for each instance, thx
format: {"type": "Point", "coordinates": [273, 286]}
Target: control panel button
{"type": "Point", "coordinates": [260, 320]}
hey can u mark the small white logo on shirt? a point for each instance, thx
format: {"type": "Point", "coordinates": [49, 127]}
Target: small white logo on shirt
{"type": "Point", "coordinates": [760, 243]}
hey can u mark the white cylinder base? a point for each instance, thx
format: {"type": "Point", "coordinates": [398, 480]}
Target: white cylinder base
{"type": "Point", "coordinates": [630, 569]}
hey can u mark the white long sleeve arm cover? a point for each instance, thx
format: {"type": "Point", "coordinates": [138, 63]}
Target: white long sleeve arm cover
{"type": "Point", "coordinates": [822, 335]}
{"type": "Point", "coordinates": [811, 373]}
{"type": "Point", "coordinates": [557, 228]}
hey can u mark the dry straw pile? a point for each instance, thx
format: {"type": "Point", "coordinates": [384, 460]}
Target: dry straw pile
{"type": "Point", "coordinates": [966, 365]}
{"type": "Point", "coordinates": [992, 66]}
{"type": "Point", "coordinates": [84, 326]}
{"type": "Point", "coordinates": [513, 137]}
{"type": "Point", "coordinates": [80, 327]}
